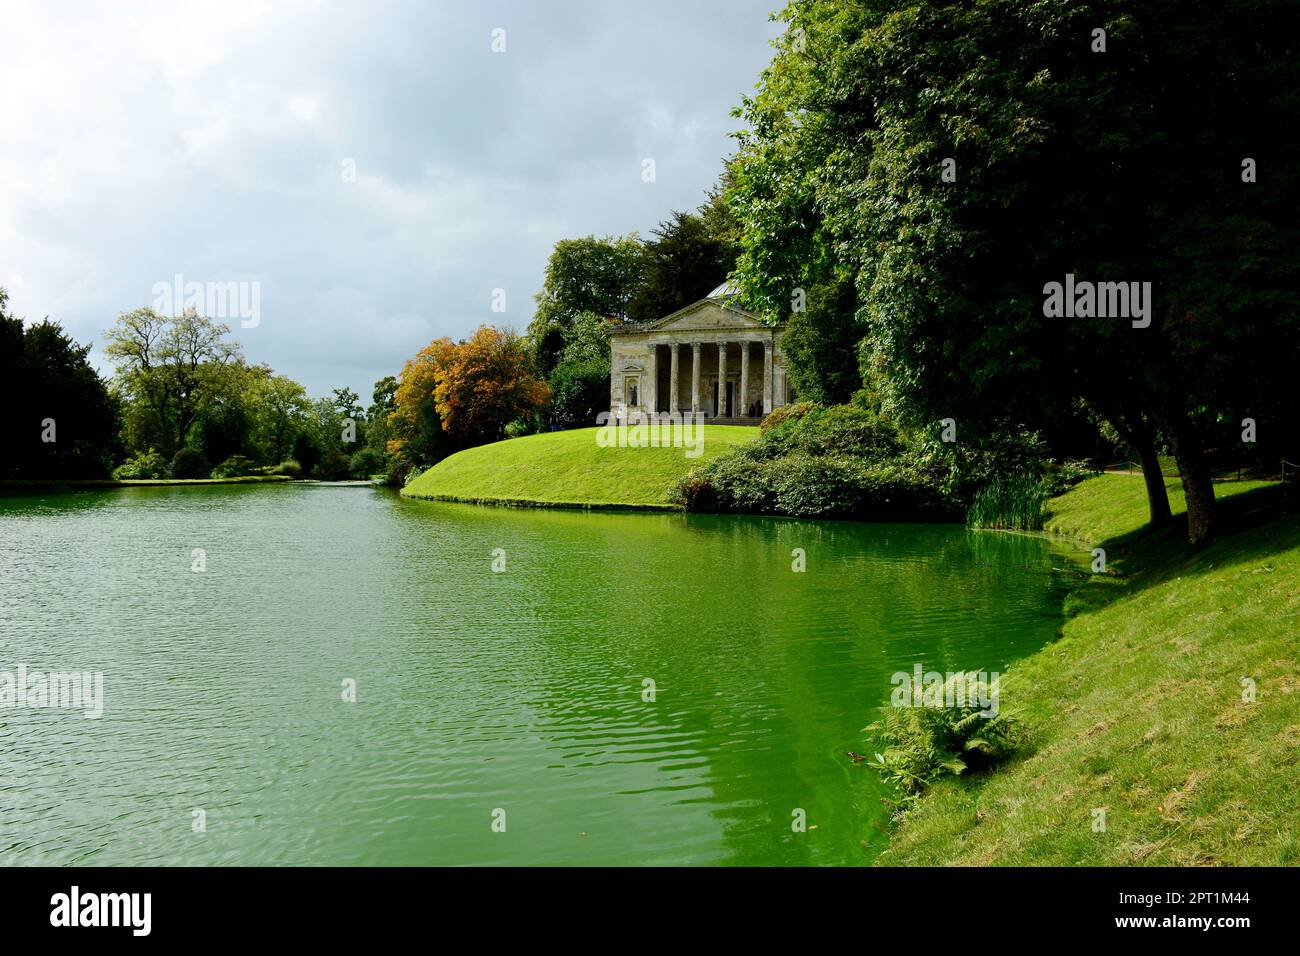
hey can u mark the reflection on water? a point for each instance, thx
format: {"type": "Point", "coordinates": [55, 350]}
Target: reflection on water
{"type": "Point", "coordinates": [521, 691]}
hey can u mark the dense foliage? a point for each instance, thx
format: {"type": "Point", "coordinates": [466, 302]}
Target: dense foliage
{"type": "Point", "coordinates": [65, 420]}
{"type": "Point", "coordinates": [456, 394]}
{"type": "Point", "coordinates": [953, 158]}
{"type": "Point", "coordinates": [811, 461]}
{"type": "Point", "coordinates": [847, 461]}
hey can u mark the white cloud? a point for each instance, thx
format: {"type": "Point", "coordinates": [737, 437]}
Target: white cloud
{"type": "Point", "coordinates": [206, 138]}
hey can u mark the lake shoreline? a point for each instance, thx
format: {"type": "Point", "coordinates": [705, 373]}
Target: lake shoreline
{"type": "Point", "coordinates": [1134, 709]}
{"type": "Point", "coordinates": [56, 484]}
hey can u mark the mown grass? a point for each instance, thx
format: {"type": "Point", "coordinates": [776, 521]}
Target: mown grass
{"type": "Point", "coordinates": [1113, 506]}
{"type": "Point", "coordinates": [1138, 709]}
{"type": "Point", "coordinates": [569, 469]}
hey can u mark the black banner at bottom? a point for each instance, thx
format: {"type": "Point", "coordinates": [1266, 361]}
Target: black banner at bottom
{"type": "Point", "coordinates": [370, 905]}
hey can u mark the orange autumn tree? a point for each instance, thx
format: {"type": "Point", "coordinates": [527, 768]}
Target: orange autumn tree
{"type": "Point", "coordinates": [456, 394]}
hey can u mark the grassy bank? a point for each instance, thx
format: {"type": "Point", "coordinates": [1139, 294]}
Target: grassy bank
{"type": "Point", "coordinates": [1138, 709]}
{"type": "Point", "coordinates": [568, 469]}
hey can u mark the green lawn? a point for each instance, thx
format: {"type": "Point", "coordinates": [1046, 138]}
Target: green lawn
{"type": "Point", "coordinates": [1138, 709]}
{"type": "Point", "coordinates": [569, 468]}
{"type": "Point", "coordinates": [1110, 506]}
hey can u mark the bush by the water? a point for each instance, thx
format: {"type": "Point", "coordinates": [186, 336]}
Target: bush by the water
{"type": "Point", "coordinates": [236, 466]}
{"type": "Point", "coordinates": [146, 465]}
{"type": "Point", "coordinates": [809, 461]}
{"type": "Point", "coordinates": [923, 744]}
{"type": "Point", "coordinates": [846, 461]}
{"type": "Point", "coordinates": [366, 463]}
{"type": "Point", "coordinates": [289, 468]}
{"type": "Point", "coordinates": [333, 466]}
{"type": "Point", "coordinates": [188, 463]}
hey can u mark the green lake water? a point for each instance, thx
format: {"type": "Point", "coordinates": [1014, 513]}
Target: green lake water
{"type": "Point", "coordinates": [476, 691]}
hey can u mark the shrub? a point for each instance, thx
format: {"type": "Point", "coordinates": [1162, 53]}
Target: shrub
{"type": "Point", "coordinates": [580, 389]}
{"type": "Point", "coordinates": [519, 428]}
{"type": "Point", "coordinates": [696, 492]}
{"type": "Point", "coordinates": [1065, 475]}
{"type": "Point", "coordinates": [809, 486]}
{"type": "Point", "coordinates": [333, 466]}
{"type": "Point", "coordinates": [742, 483]}
{"type": "Point", "coordinates": [289, 468]}
{"type": "Point", "coordinates": [806, 485]}
{"type": "Point", "coordinates": [148, 464]}
{"type": "Point", "coordinates": [188, 463]}
{"type": "Point", "coordinates": [233, 467]}
{"type": "Point", "coordinates": [839, 430]}
{"type": "Point", "coordinates": [785, 413]}
{"type": "Point", "coordinates": [399, 473]}
{"type": "Point", "coordinates": [923, 744]}
{"type": "Point", "coordinates": [366, 463]}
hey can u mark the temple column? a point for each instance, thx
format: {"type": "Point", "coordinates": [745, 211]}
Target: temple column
{"type": "Point", "coordinates": [767, 377]}
{"type": "Point", "coordinates": [695, 376]}
{"type": "Point", "coordinates": [721, 410]}
{"type": "Point", "coordinates": [672, 380]}
{"type": "Point", "coordinates": [648, 387]}
{"type": "Point", "coordinates": [743, 399]}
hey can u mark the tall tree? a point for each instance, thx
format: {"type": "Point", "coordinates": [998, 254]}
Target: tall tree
{"type": "Point", "coordinates": [164, 372]}
{"type": "Point", "coordinates": [959, 157]}
{"type": "Point", "coordinates": [580, 380]}
{"type": "Point", "coordinates": [457, 394]}
{"type": "Point", "coordinates": [683, 262]}
{"type": "Point", "coordinates": [282, 412]}
{"type": "Point", "coordinates": [65, 422]}
{"type": "Point", "coordinates": [591, 274]}
{"type": "Point", "coordinates": [821, 344]}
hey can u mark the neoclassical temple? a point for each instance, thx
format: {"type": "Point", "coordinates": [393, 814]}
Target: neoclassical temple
{"type": "Point", "coordinates": [711, 356]}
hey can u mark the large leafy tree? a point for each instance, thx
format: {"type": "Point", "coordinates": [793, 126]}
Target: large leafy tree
{"type": "Point", "coordinates": [282, 412]}
{"type": "Point", "coordinates": [683, 262]}
{"type": "Point", "coordinates": [168, 369]}
{"type": "Point", "coordinates": [486, 382]}
{"type": "Point", "coordinates": [590, 274]}
{"type": "Point", "coordinates": [456, 394]}
{"type": "Point", "coordinates": [959, 156]}
{"type": "Point", "coordinates": [580, 380]}
{"type": "Point", "coordinates": [821, 344]}
{"type": "Point", "coordinates": [65, 422]}
{"type": "Point", "coordinates": [382, 403]}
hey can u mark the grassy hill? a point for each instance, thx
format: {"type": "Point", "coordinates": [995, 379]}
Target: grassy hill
{"type": "Point", "coordinates": [568, 469]}
{"type": "Point", "coordinates": [1138, 709]}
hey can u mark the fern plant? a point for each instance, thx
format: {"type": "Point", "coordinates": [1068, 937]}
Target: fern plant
{"type": "Point", "coordinates": [922, 744]}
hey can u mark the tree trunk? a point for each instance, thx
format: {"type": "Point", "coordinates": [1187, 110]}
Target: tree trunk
{"type": "Point", "coordinates": [1198, 489]}
{"type": "Point", "coordinates": [1157, 493]}
{"type": "Point", "coordinates": [1140, 436]}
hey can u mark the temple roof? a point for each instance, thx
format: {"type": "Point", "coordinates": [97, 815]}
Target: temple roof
{"type": "Point", "coordinates": [718, 299]}
{"type": "Point", "coordinates": [727, 290]}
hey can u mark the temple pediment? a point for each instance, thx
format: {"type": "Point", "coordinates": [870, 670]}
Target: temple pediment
{"type": "Point", "coordinates": [706, 314]}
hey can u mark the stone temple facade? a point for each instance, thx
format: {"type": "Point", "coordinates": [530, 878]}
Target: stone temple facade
{"type": "Point", "coordinates": [676, 363]}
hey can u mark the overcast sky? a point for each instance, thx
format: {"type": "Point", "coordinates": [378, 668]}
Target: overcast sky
{"type": "Point", "coordinates": [146, 140]}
